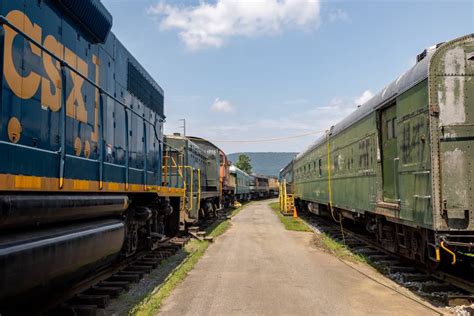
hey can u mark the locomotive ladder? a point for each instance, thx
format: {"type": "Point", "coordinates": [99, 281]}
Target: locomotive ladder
{"type": "Point", "coordinates": [287, 201]}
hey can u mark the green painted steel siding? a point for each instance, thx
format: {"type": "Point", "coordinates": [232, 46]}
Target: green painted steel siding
{"type": "Point", "coordinates": [452, 95]}
{"type": "Point", "coordinates": [353, 165]}
{"type": "Point", "coordinates": [414, 168]}
{"type": "Point", "coordinates": [435, 146]}
{"type": "Point", "coordinates": [389, 149]}
{"type": "Point", "coordinates": [356, 169]}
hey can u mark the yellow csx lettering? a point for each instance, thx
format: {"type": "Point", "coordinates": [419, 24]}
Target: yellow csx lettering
{"type": "Point", "coordinates": [26, 87]}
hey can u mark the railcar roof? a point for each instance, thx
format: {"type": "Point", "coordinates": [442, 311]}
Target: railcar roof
{"type": "Point", "coordinates": [204, 140]}
{"type": "Point", "coordinates": [233, 168]}
{"type": "Point", "coordinates": [412, 77]}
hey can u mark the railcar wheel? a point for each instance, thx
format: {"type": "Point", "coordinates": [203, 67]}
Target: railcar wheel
{"type": "Point", "coordinates": [131, 240]}
{"type": "Point", "coordinates": [417, 248]}
{"type": "Point", "coordinates": [208, 209]}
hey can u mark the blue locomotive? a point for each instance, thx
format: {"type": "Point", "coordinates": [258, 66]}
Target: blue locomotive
{"type": "Point", "coordinates": [81, 142]}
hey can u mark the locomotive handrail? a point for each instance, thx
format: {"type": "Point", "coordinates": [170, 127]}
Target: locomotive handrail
{"type": "Point", "coordinates": [179, 172]}
{"type": "Point", "coordinates": [191, 184]}
{"type": "Point", "coordinates": [199, 190]}
{"type": "Point", "coordinates": [174, 164]}
{"type": "Point", "coordinates": [4, 21]}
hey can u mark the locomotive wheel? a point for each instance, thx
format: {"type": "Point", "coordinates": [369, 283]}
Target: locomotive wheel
{"type": "Point", "coordinates": [131, 242]}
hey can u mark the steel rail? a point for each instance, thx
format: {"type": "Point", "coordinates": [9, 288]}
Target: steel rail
{"type": "Point", "coordinates": [456, 281]}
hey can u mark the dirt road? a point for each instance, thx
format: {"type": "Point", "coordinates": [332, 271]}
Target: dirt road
{"type": "Point", "coordinates": [259, 268]}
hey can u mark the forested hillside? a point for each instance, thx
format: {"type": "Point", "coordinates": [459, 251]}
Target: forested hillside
{"type": "Point", "coordinates": [267, 163]}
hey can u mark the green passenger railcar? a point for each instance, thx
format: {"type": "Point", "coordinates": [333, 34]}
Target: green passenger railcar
{"type": "Point", "coordinates": [403, 161]}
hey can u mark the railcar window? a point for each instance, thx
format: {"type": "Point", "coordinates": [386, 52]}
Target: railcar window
{"type": "Point", "coordinates": [320, 168]}
{"type": "Point", "coordinates": [340, 162]}
{"type": "Point", "coordinates": [367, 150]}
{"type": "Point", "coordinates": [364, 153]}
{"type": "Point", "coordinates": [372, 152]}
{"type": "Point", "coordinates": [351, 160]}
{"type": "Point", "coordinates": [389, 129]}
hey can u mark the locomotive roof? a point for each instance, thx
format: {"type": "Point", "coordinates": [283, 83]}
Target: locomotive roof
{"type": "Point", "coordinates": [412, 77]}
{"type": "Point", "coordinates": [204, 140]}
{"type": "Point", "coordinates": [259, 176]}
{"type": "Point", "coordinates": [193, 146]}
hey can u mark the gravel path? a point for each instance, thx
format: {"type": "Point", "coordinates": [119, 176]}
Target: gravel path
{"type": "Point", "coordinates": [259, 268]}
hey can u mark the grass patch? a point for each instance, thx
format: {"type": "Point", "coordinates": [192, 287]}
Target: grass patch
{"type": "Point", "coordinates": [196, 249]}
{"type": "Point", "coordinates": [151, 304]}
{"type": "Point", "coordinates": [338, 249]}
{"type": "Point", "coordinates": [220, 229]}
{"type": "Point", "coordinates": [289, 222]}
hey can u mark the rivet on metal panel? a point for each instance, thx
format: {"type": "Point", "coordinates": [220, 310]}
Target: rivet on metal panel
{"type": "Point", "coordinates": [434, 109]}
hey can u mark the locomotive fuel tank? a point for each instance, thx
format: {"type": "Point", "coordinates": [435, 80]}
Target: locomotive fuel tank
{"type": "Point", "coordinates": [22, 210]}
{"type": "Point", "coordinates": [42, 258]}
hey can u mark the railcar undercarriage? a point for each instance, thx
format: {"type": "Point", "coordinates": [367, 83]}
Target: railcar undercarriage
{"type": "Point", "coordinates": [426, 247]}
{"type": "Point", "coordinates": [52, 240]}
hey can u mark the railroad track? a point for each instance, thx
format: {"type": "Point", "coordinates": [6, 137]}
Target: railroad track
{"type": "Point", "coordinates": [440, 288]}
{"type": "Point", "coordinates": [90, 296]}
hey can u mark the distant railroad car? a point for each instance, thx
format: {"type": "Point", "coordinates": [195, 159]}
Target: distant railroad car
{"type": "Point", "coordinates": [287, 176]}
{"type": "Point", "coordinates": [200, 169]}
{"type": "Point", "coordinates": [232, 185]}
{"type": "Point", "coordinates": [259, 187]}
{"type": "Point", "coordinates": [243, 183]}
{"type": "Point", "coordinates": [227, 187]}
{"type": "Point", "coordinates": [273, 186]}
{"type": "Point", "coordinates": [402, 161]}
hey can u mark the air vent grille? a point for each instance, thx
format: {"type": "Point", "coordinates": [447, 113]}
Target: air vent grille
{"type": "Point", "coordinates": [141, 87]}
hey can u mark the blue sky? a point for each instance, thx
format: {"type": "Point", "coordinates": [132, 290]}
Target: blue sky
{"type": "Point", "coordinates": [246, 70]}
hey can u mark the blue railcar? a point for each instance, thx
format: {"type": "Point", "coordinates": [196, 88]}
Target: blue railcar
{"type": "Point", "coordinates": [242, 183]}
{"type": "Point", "coordinates": [81, 146]}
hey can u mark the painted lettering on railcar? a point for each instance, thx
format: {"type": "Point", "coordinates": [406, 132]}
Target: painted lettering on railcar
{"type": "Point", "coordinates": [49, 85]}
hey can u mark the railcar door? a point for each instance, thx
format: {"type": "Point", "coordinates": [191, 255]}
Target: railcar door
{"type": "Point", "coordinates": [389, 154]}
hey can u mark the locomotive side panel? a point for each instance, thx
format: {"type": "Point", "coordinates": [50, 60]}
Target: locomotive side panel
{"type": "Point", "coordinates": [81, 118]}
{"type": "Point", "coordinates": [33, 104]}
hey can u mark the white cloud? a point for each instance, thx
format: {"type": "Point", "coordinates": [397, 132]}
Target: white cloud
{"type": "Point", "coordinates": [315, 121]}
{"type": "Point", "coordinates": [338, 15]}
{"type": "Point", "coordinates": [296, 101]}
{"type": "Point", "coordinates": [222, 106]}
{"type": "Point", "coordinates": [238, 126]}
{"type": "Point", "coordinates": [364, 97]}
{"type": "Point", "coordinates": [211, 24]}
